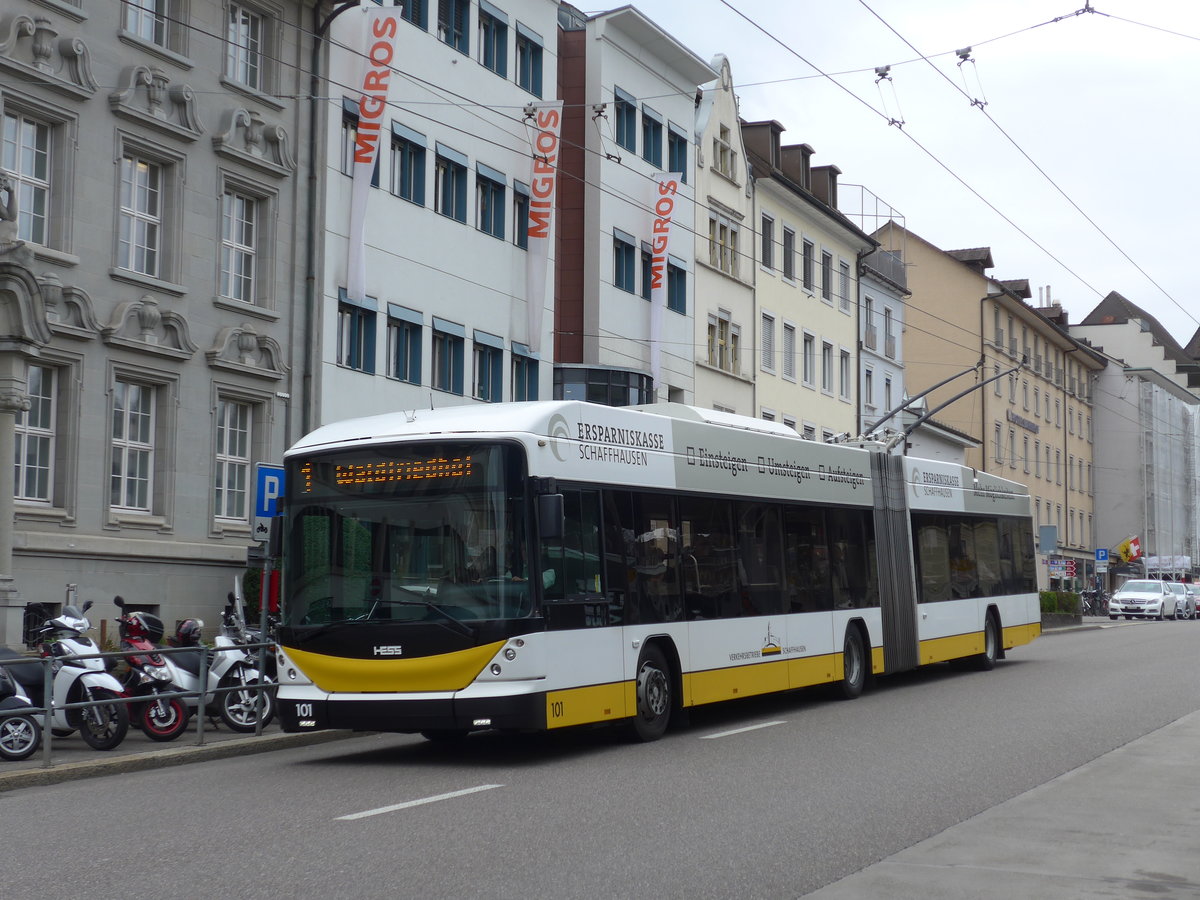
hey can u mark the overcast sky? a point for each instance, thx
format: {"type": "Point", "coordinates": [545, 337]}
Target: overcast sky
{"type": "Point", "coordinates": [1105, 105]}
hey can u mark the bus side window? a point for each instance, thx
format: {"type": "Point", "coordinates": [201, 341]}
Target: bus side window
{"type": "Point", "coordinates": [618, 551]}
{"type": "Point", "coordinates": [806, 552]}
{"type": "Point", "coordinates": [760, 559]}
{"type": "Point", "coordinates": [707, 564]}
{"type": "Point", "coordinates": [570, 565]}
{"type": "Point", "coordinates": [656, 569]}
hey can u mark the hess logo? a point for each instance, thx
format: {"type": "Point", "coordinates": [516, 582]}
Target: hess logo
{"type": "Point", "coordinates": [389, 650]}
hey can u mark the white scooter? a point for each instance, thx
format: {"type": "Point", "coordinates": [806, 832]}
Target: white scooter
{"type": "Point", "coordinates": [76, 680]}
{"type": "Point", "coordinates": [20, 731]}
{"type": "Point", "coordinates": [229, 666]}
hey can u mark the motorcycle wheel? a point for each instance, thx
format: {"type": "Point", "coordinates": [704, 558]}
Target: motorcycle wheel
{"type": "Point", "coordinates": [108, 733]}
{"type": "Point", "coordinates": [20, 736]}
{"type": "Point", "coordinates": [163, 720]}
{"type": "Point", "coordinates": [237, 706]}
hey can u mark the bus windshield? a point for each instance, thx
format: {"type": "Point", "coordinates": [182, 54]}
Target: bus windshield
{"type": "Point", "coordinates": [407, 533]}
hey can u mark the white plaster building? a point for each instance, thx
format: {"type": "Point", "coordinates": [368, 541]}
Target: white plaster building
{"type": "Point", "coordinates": [445, 318]}
{"type": "Point", "coordinates": [724, 227]}
{"type": "Point", "coordinates": [629, 90]}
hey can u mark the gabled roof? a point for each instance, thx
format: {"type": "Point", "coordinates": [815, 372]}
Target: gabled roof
{"type": "Point", "coordinates": [1116, 309]}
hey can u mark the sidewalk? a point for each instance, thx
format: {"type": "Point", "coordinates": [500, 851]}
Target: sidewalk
{"type": "Point", "coordinates": [73, 759]}
{"type": "Point", "coordinates": [1123, 825]}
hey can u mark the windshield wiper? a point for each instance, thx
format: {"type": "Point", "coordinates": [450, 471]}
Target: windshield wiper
{"type": "Point", "coordinates": [458, 624]}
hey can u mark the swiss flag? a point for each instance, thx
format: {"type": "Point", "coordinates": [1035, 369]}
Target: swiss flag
{"type": "Point", "coordinates": [1135, 548]}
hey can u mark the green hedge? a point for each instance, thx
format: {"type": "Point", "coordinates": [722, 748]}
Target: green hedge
{"type": "Point", "coordinates": [1062, 602]}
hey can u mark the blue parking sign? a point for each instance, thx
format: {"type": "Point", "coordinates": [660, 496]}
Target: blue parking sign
{"type": "Point", "coordinates": [268, 489]}
{"type": "Point", "coordinates": [1101, 555]}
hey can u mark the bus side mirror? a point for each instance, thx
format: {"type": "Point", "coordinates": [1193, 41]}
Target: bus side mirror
{"type": "Point", "coordinates": [550, 516]}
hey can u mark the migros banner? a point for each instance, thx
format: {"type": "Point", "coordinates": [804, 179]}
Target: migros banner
{"type": "Point", "coordinates": [543, 182]}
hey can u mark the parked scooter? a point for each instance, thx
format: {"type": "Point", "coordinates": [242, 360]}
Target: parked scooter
{"type": "Point", "coordinates": [229, 666]}
{"type": "Point", "coordinates": [64, 640]}
{"type": "Point", "coordinates": [20, 732]}
{"type": "Point", "coordinates": [148, 675]}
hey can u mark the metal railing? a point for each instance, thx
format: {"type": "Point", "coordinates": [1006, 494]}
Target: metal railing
{"type": "Point", "coordinates": [49, 707]}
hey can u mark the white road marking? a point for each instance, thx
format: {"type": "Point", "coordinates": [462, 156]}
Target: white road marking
{"type": "Point", "coordinates": [395, 806]}
{"type": "Point", "coordinates": [721, 734]}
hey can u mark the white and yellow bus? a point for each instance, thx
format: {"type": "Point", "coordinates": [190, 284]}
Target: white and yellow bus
{"type": "Point", "coordinates": [540, 565]}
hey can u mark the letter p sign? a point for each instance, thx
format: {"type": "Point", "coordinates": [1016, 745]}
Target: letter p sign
{"type": "Point", "coordinates": [268, 488]}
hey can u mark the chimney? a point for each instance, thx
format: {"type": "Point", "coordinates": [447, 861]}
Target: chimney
{"type": "Point", "coordinates": [825, 184]}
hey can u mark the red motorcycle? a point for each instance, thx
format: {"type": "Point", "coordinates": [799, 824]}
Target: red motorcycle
{"type": "Point", "coordinates": [148, 675]}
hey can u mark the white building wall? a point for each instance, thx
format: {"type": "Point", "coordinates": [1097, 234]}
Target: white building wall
{"type": "Point", "coordinates": [418, 258]}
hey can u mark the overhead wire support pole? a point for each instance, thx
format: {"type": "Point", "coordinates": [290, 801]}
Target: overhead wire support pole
{"type": "Point", "coordinates": [960, 395]}
{"type": "Point", "coordinates": [911, 400]}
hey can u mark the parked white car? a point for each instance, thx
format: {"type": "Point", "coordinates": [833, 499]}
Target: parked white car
{"type": "Point", "coordinates": [1144, 599]}
{"type": "Point", "coordinates": [1186, 608]}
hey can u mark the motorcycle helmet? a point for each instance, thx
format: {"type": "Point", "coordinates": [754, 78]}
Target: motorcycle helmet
{"type": "Point", "coordinates": [188, 633]}
{"type": "Point", "coordinates": [145, 625]}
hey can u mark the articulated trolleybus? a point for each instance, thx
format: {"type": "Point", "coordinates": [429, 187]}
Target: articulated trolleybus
{"type": "Point", "coordinates": [532, 566]}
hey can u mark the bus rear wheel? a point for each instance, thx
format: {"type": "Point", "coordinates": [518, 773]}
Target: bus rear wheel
{"type": "Point", "coordinates": [854, 665]}
{"type": "Point", "coordinates": [986, 661]}
{"type": "Point", "coordinates": [654, 695]}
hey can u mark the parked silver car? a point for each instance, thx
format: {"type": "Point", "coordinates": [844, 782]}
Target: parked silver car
{"type": "Point", "coordinates": [1145, 598]}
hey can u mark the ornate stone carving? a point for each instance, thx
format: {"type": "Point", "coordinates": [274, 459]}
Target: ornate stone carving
{"type": "Point", "coordinates": [8, 214]}
{"type": "Point", "coordinates": [73, 315]}
{"type": "Point", "coordinates": [149, 97]}
{"type": "Point", "coordinates": [242, 349]}
{"type": "Point", "coordinates": [31, 47]}
{"type": "Point", "coordinates": [142, 325]}
{"type": "Point", "coordinates": [245, 136]}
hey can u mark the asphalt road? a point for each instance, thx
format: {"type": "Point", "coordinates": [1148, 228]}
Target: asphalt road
{"type": "Point", "coordinates": [772, 797]}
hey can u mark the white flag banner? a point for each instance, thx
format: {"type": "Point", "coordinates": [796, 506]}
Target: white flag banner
{"type": "Point", "coordinates": [380, 26]}
{"type": "Point", "coordinates": [665, 195]}
{"type": "Point", "coordinates": [542, 184]}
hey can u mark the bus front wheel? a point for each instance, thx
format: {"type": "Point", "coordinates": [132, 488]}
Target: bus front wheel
{"type": "Point", "coordinates": [986, 661]}
{"type": "Point", "coordinates": [654, 698]}
{"type": "Point", "coordinates": [854, 665]}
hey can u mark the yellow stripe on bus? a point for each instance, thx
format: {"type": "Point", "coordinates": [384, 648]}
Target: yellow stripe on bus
{"type": "Point", "coordinates": [443, 672]}
{"type": "Point", "coordinates": [1021, 634]}
{"type": "Point", "coordinates": [594, 703]}
{"type": "Point", "coordinates": [959, 646]}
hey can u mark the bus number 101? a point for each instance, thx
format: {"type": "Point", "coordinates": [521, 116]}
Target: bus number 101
{"type": "Point", "coordinates": [556, 709]}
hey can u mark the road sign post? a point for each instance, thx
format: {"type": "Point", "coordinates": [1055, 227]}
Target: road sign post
{"type": "Point", "coordinates": [268, 489]}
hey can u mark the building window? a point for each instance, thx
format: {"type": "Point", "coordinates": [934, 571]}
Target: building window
{"type": "Point", "coordinates": [723, 340]}
{"type": "Point", "coordinates": [844, 286]}
{"type": "Point", "coordinates": [999, 444]}
{"type": "Point", "coordinates": [625, 111]}
{"type": "Point", "coordinates": [827, 367]}
{"type": "Point", "coordinates": [489, 198]}
{"type": "Point", "coordinates": [244, 47]}
{"type": "Point", "coordinates": [807, 265]}
{"type": "Point", "coordinates": [34, 430]}
{"type": "Point", "coordinates": [868, 389]}
{"type": "Point", "coordinates": [408, 165]}
{"type": "Point", "coordinates": [25, 156]}
{"type": "Point", "coordinates": [404, 344]}
{"type": "Point", "coordinates": [231, 486]}
{"type": "Point", "coordinates": [1012, 448]}
{"type": "Point", "coordinates": [155, 21]}
{"type": "Point", "coordinates": [131, 478]}
{"type": "Point", "coordinates": [521, 215]}
{"type": "Point", "coordinates": [356, 336]}
{"type": "Point", "coordinates": [450, 184]}
{"type": "Point", "coordinates": [844, 374]}
{"type": "Point", "coordinates": [889, 333]}
{"type": "Point", "coordinates": [448, 349]}
{"type": "Point", "coordinates": [768, 242]}
{"type": "Point", "coordinates": [415, 11]}
{"type": "Point", "coordinates": [239, 246]}
{"type": "Point", "coordinates": [724, 156]}
{"type": "Point", "coordinates": [789, 351]}
{"type": "Point", "coordinates": [453, 16]}
{"type": "Point", "coordinates": [488, 373]}
{"type": "Point", "coordinates": [789, 254]}
{"type": "Point", "coordinates": [652, 137]}
{"type": "Point", "coordinates": [141, 217]}
{"type": "Point", "coordinates": [493, 42]}
{"type": "Point", "coordinates": [350, 140]}
{"type": "Point", "coordinates": [810, 432]}
{"type": "Point", "coordinates": [524, 375]}
{"type": "Point", "coordinates": [529, 60]}
{"type": "Point", "coordinates": [677, 152]}
{"type": "Point", "coordinates": [623, 262]}
{"type": "Point", "coordinates": [612, 387]}
{"type": "Point", "coordinates": [768, 343]}
{"type": "Point", "coordinates": [887, 393]}
{"type": "Point", "coordinates": [808, 361]}
{"type": "Point", "coordinates": [1058, 478]}
{"type": "Point", "coordinates": [723, 245]}
{"type": "Point", "coordinates": [1037, 459]}
{"type": "Point", "coordinates": [676, 288]}
{"type": "Point", "coordinates": [826, 276]}
{"type": "Point", "coordinates": [647, 259]}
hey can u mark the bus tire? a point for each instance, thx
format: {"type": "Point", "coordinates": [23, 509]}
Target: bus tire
{"type": "Point", "coordinates": [654, 695]}
{"type": "Point", "coordinates": [986, 661]}
{"type": "Point", "coordinates": [854, 665]}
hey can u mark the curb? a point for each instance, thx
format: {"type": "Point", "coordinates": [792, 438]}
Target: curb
{"type": "Point", "coordinates": [161, 759]}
